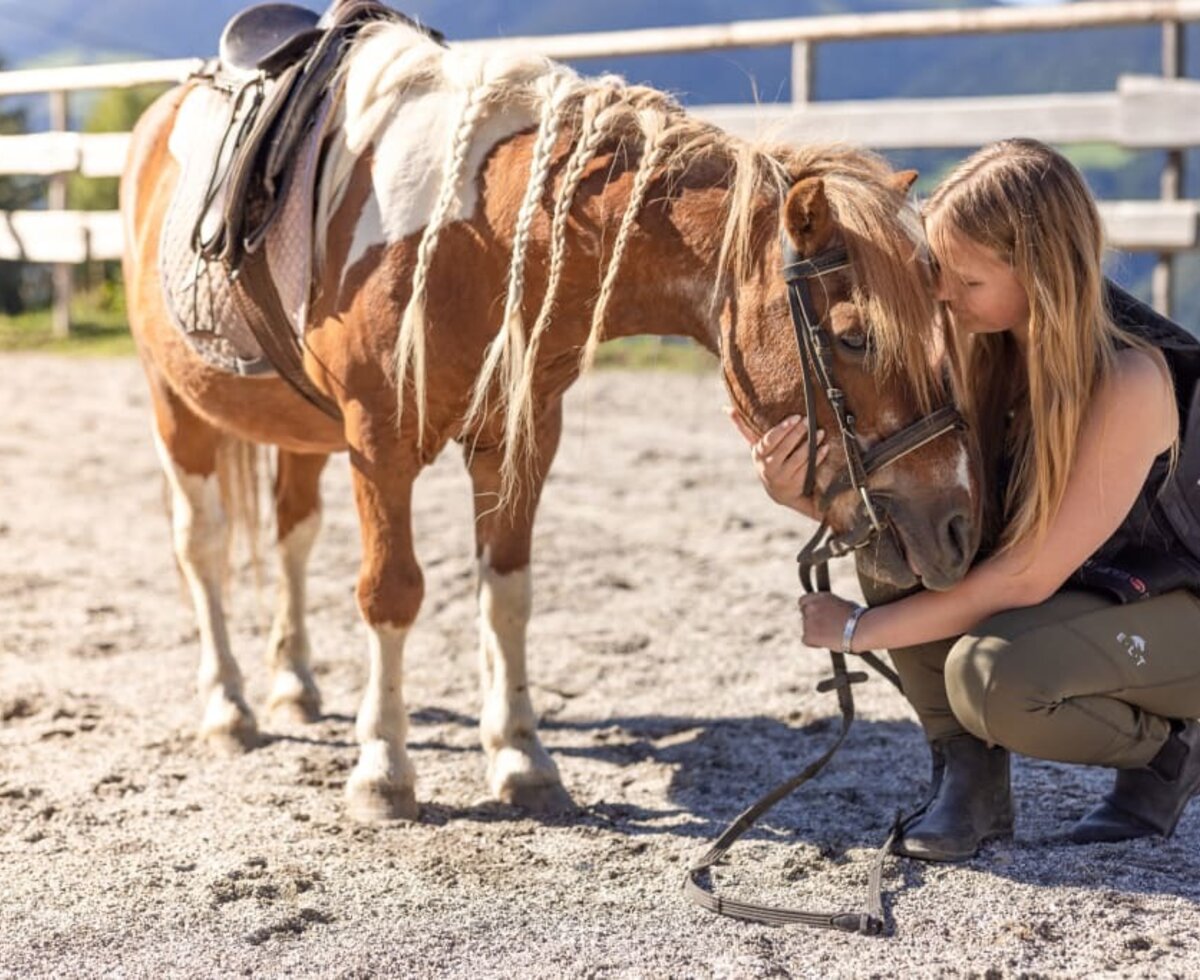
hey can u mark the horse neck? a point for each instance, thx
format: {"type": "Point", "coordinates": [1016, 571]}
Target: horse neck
{"type": "Point", "coordinates": [669, 278]}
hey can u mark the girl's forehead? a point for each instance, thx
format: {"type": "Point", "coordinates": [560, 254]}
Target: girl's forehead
{"type": "Point", "coordinates": [955, 251]}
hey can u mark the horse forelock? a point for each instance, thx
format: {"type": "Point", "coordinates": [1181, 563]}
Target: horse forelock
{"type": "Point", "coordinates": [888, 252]}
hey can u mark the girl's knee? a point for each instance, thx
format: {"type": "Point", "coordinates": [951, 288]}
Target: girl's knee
{"type": "Point", "coordinates": [970, 669]}
{"type": "Point", "coordinates": [995, 688]}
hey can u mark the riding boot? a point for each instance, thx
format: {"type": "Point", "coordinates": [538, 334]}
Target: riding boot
{"type": "Point", "coordinates": [1148, 800]}
{"type": "Point", "coordinates": [971, 802]}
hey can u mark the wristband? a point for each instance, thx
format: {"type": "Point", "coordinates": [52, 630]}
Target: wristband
{"type": "Point", "coordinates": [851, 626]}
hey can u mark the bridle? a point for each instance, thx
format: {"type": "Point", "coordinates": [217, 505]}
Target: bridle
{"type": "Point", "coordinates": [816, 358]}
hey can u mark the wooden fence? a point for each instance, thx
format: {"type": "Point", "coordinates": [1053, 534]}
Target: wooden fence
{"type": "Point", "coordinates": [1160, 112]}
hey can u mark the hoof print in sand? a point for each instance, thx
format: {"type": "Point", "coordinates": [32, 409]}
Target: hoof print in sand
{"type": "Point", "coordinates": [293, 925]}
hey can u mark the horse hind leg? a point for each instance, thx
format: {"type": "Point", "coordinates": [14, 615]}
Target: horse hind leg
{"type": "Point", "coordinates": [294, 693]}
{"type": "Point", "coordinates": [520, 771]}
{"type": "Point", "coordinates": [188, 451]}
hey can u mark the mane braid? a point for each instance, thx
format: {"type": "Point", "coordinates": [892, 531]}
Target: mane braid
{"type": "Point", "coordinates": [596, 116]}
{"type": "Point", "coordinates": [606, 114]}
{"type": "Point", "coordinates": [410, 344]}
{"type": "Point", "coordinates": [654, 129]}
{"type": "Point", "coordinates": [507, 350]}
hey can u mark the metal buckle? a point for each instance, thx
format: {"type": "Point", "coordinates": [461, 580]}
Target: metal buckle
{"type": "Point", "coordinates": [870, 508]}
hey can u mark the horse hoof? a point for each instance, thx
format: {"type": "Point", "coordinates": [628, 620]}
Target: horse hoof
{"type": "Point", "coordinates": [547, 798]}
{"type": "Point", "coordinates": [300, 712]}
{"type": "Point", "coordinates": [372, 801]}
{"type": "Point", "coordinates": [293, 699]}
{"type": "Point", "coordinates": [229, 726]}
{"type": "Point", "coordinates": [232, 741]}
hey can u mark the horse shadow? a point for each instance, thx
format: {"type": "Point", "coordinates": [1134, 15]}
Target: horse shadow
{"type": "Point", "coordinates": [719, 766]}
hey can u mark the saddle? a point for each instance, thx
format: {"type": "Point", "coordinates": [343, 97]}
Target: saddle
{"type": "Point", "coordinates": [268, 37]}
{"type": "Point", "coordinates": [280, 60]}
{"type": "Point", "coordinates": [272, 81]}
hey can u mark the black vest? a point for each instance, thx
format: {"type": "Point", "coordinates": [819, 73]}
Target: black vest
{"type": "Point", "coordinates": [1157, 546]}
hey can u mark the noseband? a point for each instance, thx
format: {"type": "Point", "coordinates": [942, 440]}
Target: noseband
{"type": "Point", "coordinates": [816, 358]}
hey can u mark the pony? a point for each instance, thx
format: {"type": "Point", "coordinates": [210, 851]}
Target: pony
{"type": "Point", "coordinates": [484, 219]}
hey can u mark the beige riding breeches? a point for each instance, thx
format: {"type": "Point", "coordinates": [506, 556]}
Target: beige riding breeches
{"type": "Point", "coordinates": [1078, 678]}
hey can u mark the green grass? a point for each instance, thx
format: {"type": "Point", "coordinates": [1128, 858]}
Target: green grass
{"type": "Point", "coordinates": [655, 354]}
{"type": "Point", "coordinates": [95, 331]}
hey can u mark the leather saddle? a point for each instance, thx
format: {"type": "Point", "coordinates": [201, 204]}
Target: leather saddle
{"type": "Point", "coordinates": [279, 59]}
{"type": "Point", "coordinates": [268, 37]}
{"type": "Point", "coordinates": [277, 63]}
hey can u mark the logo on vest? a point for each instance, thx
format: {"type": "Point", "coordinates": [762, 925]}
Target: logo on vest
{"type": "Point", "coordinates": [1134, 647]}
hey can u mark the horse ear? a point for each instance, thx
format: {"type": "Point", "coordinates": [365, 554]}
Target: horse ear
{"type": "Point", "coordinates": [806, 217]}
{"type": "Point", "coordinates": [902, 180]}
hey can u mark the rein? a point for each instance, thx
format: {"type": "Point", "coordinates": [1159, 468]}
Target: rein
{"type": "Point", "coordinates": [816, 358]}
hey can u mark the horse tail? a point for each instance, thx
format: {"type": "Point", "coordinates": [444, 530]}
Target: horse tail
{"type": "Point", "coordinates": [242, 479]}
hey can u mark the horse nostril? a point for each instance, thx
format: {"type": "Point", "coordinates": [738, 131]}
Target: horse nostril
{"type": "Point", "coordinates": [956, 539]}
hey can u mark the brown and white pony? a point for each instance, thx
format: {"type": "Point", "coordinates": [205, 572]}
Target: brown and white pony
{"type": "Point", "coordinates": [484, 220]}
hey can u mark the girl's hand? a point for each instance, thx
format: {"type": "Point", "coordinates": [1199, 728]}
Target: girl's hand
{"type": "Point", "coordinates": [824, 616]}
{"type": "Point", "coordinates": [781, 459]}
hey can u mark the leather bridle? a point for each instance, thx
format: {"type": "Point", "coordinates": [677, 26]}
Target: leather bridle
{"type": "Point", "coordinates": [816, 358]}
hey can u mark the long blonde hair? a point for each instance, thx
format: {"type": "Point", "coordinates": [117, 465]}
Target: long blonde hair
{"type": "Point", "coordinates": [1029, 205]}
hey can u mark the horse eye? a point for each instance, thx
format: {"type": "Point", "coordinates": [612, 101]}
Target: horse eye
{"type": "Point", "coordinates": [855, 340]}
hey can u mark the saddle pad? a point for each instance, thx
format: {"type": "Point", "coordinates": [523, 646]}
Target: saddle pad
{"type": "Point", "coordinates": [204, 304]}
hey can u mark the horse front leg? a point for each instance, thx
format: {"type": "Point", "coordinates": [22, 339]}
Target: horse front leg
{"type": "Point", "coordinates": [520, 771]}
{"type": "Point", "coordinates": [188, 449]}
{"type": "Point", "coordinates": [390, 590]}
{"type": "Point", "coordinates": [297, 520]}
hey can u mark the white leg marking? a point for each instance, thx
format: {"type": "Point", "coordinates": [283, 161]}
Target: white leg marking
{"type": "Point", "coordinates": [382, 784]}
{"type": "Point", "coordinates": [293, 689]}
{"type": "Point", "coordinates": [201, 545]}
{"type": "Point", "coordinates": [519, 768]}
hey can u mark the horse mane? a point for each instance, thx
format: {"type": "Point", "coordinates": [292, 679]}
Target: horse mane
{"type": "Point", "coordinates": [391, 61]}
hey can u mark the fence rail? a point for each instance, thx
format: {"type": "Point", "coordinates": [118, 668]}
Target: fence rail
{"type": "Point", "coordinates": [1156, 112]}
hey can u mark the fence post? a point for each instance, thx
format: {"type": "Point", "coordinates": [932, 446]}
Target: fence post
{"type": "Point", "coordinates": [804, 55]}
{"type": "Point", "coordinates": [56, 200]}
{"type": "Point", "coordinates": [1171, 181]}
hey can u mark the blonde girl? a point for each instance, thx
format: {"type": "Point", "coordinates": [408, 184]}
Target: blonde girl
{"type": "Point", "coordinates": [1079, 396]}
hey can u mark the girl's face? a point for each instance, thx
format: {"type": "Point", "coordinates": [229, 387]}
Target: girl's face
{"type": "Point", "coordinates": [979, 289]}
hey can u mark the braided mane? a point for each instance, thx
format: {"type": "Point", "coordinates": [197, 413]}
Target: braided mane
{"type": "Point", "coordinates": [391, 62]}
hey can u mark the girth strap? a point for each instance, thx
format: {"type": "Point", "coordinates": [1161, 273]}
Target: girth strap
{"type": "Point", "coordinates": [265, 316]}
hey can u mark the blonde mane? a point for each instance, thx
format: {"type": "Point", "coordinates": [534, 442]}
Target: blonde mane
{"type": "Point", "coordinates": [392, 62]}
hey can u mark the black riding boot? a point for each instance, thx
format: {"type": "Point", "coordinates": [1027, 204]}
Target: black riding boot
{"type": "Point", "coordinates": [1148, 800]}
{"type": "Point", "coordinates": [972, 802]}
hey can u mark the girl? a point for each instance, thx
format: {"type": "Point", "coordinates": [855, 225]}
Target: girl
{"type": "Point", "coordinates": [1079, 396]}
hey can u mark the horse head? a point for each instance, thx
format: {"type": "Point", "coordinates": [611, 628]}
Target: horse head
{"type": "Point", "coordinates": [834, 319]}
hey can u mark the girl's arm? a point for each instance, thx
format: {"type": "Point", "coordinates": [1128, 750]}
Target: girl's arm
{"type": "Point", "coordinates": [1133, 419]}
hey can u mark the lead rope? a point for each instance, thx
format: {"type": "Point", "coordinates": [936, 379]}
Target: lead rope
{"type": "Point", "coordinates": [869, 922]}
{"type": "Point", "coordinates": [813, 558]}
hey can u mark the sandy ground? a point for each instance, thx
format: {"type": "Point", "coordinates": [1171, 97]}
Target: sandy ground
{"type": "Point", "coordinates": [672, 691]}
